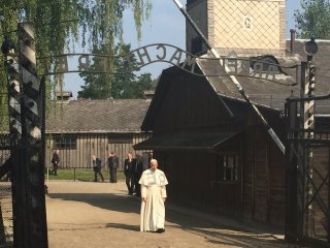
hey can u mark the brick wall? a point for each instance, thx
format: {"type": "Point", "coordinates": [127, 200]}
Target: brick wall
{"type": "Point", "coordinates": [248, 27]}
{"type": "Point", "coordinates": [245, 26]}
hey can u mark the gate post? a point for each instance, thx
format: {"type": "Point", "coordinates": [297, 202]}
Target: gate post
{"type": "Point", "coordinates": [15, 132]}
{"type": "Point", "coordinates": [291, 110]}
{"type": "Point", "coordinates": [30, 229]}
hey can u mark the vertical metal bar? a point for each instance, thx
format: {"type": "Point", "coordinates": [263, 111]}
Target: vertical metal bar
{"type": "Point", "coordinates": [301, 177]}
{"type": "Point", "coordinates": [291, 110]}
{"type": "Point", "coordinates": [31, 231]}
{"type": "Point", "coordinates": [15, 133]}
{"type": "Point", "coordinates": [42, 100]}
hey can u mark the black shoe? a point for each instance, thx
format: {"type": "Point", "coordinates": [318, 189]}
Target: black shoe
{"type": "Point", "coordinates": [160, 230]}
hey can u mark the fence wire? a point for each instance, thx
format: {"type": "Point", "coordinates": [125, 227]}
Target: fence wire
{"type": "Point", "coordinates": [317, 194]}
{"type": "Point", "coordinates": [249, 24]}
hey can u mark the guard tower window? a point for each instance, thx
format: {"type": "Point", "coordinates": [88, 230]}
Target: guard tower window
{"type": "Point", "coordinates": [197, 46]}
{"type": "Point", "coordinates": [227, 168]}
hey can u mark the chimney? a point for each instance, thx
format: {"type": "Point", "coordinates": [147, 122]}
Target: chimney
{"type": "Point", "coordinates": [292, 40]}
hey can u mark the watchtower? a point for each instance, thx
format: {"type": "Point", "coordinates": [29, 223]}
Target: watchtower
{"type": "Point", "coordinates": [248, 27]}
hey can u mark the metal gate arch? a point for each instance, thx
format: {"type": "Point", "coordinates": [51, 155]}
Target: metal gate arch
{"type": "Point", "coordinates": [29, 96]}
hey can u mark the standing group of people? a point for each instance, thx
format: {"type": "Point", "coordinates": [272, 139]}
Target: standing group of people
{"type": "Point", "coordinates": [133, 168]}
{"type": "Point", "coordinates": [113, 163]}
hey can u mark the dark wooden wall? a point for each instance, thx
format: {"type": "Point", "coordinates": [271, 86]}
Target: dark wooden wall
{"type": "Point", "coordinates": [259, 194]}
{"type": "Point", "coordinates": [185, 102]}
{"type": "Point", "coordinates": [192, 183]}
{"type": "Point", "coordinates": [263, 178]}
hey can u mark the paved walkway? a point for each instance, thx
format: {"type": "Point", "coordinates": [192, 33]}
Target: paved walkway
{"type": "Point", "coordinates": [102, 215]}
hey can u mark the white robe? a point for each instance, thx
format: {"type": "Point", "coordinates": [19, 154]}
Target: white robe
{"type": "Point", "coordinates": [153, 189]}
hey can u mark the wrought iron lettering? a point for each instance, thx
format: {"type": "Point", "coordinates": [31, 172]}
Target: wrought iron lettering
{"type": "Point", "coordinates": [161, 46]}
{"type": "Point", "coordinates": [177, 56]}
{"type": "Point", "coordinates": [84, 62]}
{"type": "Point", "coordinates": [143, 53]}
{"type": "Point", "coordinates": [263, 67]}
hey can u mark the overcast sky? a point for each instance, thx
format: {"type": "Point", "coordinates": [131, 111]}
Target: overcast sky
{"type": "Point", "coordinates": [165, 25]}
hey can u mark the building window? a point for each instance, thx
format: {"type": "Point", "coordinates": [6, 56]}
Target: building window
{"type": "Point", "coordinates": [227, 168]}
{"type": "Point", "coordinates": [247, 22]}
{"type": "Point", "coordinates": [65, 142]}
{"type": "Point", "coordinates": [120, 138]}
{"type": "Point", "coordinates": [197, 46]}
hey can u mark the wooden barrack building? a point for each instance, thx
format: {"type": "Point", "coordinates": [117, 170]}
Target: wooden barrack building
{"type": "Point", "coordinates": [81, 128]}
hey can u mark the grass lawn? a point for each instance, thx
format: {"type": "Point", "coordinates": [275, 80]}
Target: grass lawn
{"type": "Point", "coordinates": [80, 174]}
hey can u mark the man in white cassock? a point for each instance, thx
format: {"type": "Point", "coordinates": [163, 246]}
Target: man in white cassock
{"type": "Point", "coordinates": [153, 194]}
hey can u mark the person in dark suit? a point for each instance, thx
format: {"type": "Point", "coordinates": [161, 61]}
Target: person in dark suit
{"type": "Point", "coordinates": [136, 174]}
{"type": "Point", "coordinates": [97, 167]}
{"type": "Point", "coordinates": [128, 169]}
{"type": "Point", "coordinates": [113, 163]}
{"type": "Point", "coordinates": [55, 161]}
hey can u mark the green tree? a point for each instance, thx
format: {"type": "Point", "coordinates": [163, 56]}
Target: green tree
{"type": "Point", "coordinates": [313, 19]}
{"type": "Point", "coordinates": [120, 81]}
{"type": "Point", "coordinates": [60, 24]}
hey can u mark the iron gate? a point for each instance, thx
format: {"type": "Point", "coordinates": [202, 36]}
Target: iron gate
{"type": "Point", "coordinates": [308, 188]}
{"type": "Point", "coordinates": [6, 210]}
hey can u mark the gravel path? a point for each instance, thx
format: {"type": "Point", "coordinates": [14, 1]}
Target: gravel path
{"type": "Point", "coordinates": [102, 215]}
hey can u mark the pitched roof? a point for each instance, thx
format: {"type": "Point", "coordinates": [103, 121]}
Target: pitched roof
{"type": "Point", "coordinates": [97, 116]}
{"type": "Point", "coordinates": [186, 140]}
{"type": "Point", "coordinates": [272, 94]}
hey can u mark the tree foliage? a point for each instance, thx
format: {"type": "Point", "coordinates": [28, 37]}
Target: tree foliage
{"type": "Point", "coordinates": [121, 82]}
{"type": "Point", "coordinates": [313, 19]}
{"type": "Point", "coordinates": [60, 24]}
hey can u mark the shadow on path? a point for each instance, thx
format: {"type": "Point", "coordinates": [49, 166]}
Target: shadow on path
{"type": "Point", "coordinates": [214, 232]}
{"type": "Point", "coordinates": [224, 231]}
{"type": "Point", "coordinates": [95, 226]}
{"type": "Point", "coordinates": [114, 202]}
{"type": "Point", "coordinates": [134, 228]}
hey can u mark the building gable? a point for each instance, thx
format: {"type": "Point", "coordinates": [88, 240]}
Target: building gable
{"type": "Point", "coordinates": [185, 101]}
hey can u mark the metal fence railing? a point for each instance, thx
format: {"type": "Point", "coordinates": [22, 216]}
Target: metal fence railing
{"type": "Point", "coordinates": [6, 211]}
